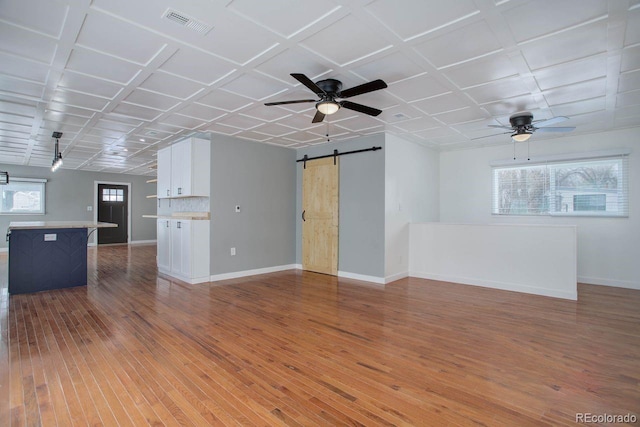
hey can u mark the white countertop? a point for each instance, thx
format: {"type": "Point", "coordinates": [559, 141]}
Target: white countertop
{"type": "Point", "coordinates": [23, 225]}
{"type": "Point", "coordinates": [182, 215]}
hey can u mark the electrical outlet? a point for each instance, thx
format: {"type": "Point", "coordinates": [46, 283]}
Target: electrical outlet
{"type": "Point", "coordinates": [237, 208]}
{"type": "Point", "coordinates": [233, 251]}
{"type": "Point", "coordinates": [89, 208]}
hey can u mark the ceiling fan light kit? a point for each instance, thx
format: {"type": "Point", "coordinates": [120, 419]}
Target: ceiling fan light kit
{"type": "Point", "coordinates": [329, 90]}
{"type": "Point", "coordinates": [523, 126]}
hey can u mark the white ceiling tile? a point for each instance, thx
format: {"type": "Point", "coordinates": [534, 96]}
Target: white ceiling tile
{"type": "Point", "coordinates": [460, 45]}
{"type": "Point", "coordinates": [632, 34]}
{"type": "Point", "coordinates": [330, 41]}
{"type": "Point", "coordinates": [480, 71]}
{"type": "Point", "coordinates": [151, 100]}
{"type": "Point", "coordinates": [49, 18]}
{"type": "Point", "coordinates": [497, 90]}
{"type": "Point", "coordinates": [300, 13]}
{"type": "Point", "coordinates": [629, 81]}
{"type": "Point", "coordinates": [630, 59]}
{"type": "Point", "coordinates": [442, 103]}
{"type": "Point", "coordinates": [220, 128]}
{"type": "Point", "coordinates": [300, 122]}
{"type": "Point", "coordinates": [103, 66]}
{"type": "Point", "coordinates": [79, 100]}
{"type": "Point", "coordinates": [304, 137]}
{"type": "Point", "coordinates": [360, 123]}
{"type": "Point", "coordinates": [107, 34]}
{"type": "Point", "coordinates": [249, 39]}
{"type": "Point", "coordinates": [460, 116]}
{"type": "Point", "coordinates": [225, 101]}
{"type": "Point", "coordinates": [240, 122]}
{"type": "Point", "coordinates": [253, 136]}
{"type": "Point", "coordinates": [567, 46]}
{"type": "Point", "coordinates": [18, 86]}
{"type": "Point", "coordinates": [24, 68]}
{"type": "Point", "coordinates": [182, 121]}
{"type": "Point", "coordinates": [137, 112]}
{"type": "Point", "coordinates": [394, 67]}
{"type": "Point", "coordinates": [254, 86]}
{"type": "Point", "coordinates": [301, 60]}
{"type": "Point", "coordinates": [507, 106]}
{"type": "Point", "coordinates": [267, 114]}
{"type": "Point", "coordinates": [580, 107]}
{"type": "Point", "coordinates": [115, 126]}
{"type": "Point", "coordinates": [420, 87]}
{"type": "Point", "coordinates": [171, 85]}
{"type": "Point", "coordinates": [202, 112]}
{"type": "Point", "coordinates": [274, 130]}
{"type": "Point", "coordinates": [576, 92]}
{"type": "Point", "coordinates": [196, 65]}
{"type": "Point", "coordinates": [90, 85]}
{"type": "Point", "coordinates": [628, 99]}
{"type": "Point", "coordinates": [16, 119]}
{"type": "Point", "coordinates": [27, 44]}
{"type": "Point", "coordinates": [433, 15]}
{"type": "Point", "coordinates": [571, 72]}
{"type": "Point", "coordinates": [548, 16]}
{"type": "Point", "coordinates": [417, 125]}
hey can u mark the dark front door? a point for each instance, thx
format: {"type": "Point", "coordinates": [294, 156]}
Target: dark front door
{"type": "Point", "coordinates": [113, 207]}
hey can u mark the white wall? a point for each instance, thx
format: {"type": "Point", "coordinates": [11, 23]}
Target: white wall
{"type": "Point", "coordinates": [608, 248]}
{"type": "Point", "coordinates": [411, 195]}
{"type": "Point", "coordinates": [536, 259]}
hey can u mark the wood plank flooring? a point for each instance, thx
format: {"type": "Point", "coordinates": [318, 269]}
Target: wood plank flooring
{"type": "Point", "coordinates": [292, 348]}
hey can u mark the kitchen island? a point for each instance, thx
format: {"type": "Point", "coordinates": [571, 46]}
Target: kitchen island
{"type": "Point", "coordinates": [47, 255]}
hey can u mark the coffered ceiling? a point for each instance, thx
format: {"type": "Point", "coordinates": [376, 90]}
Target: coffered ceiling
{"type": "Point", "coordinates": [121, 80]}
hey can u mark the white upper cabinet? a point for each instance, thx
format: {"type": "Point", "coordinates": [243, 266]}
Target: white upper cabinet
{"type": "Point", "coordinates": [164, 173]}
{"type": "Point", "coordinates": [184, 168]}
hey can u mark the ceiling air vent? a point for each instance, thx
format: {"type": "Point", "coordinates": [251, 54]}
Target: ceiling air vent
{"type": "Point", "coordinates": [187, 21]}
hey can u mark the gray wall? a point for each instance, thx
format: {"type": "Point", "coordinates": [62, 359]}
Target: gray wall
{"type": "Point", "coordinates": [69, 192]}
{"type": "Point", "coordinates": [261, 179]}
{"type": "Point", "coordinates": [362, 209]}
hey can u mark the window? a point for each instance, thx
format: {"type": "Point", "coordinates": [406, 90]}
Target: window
{"type": "Point", "coordinates": [585, 187]}
{"type": "Point", "coordinates": [23, 196]}
{"type": "Point", "coordinates": [112, 195]}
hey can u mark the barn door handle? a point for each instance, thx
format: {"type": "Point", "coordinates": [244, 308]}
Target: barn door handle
{"type": "Point", "coordinates": [303, 215]}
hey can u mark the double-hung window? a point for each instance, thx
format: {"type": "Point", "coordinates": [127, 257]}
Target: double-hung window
{"type": "Point", "coordinates": [23, 196]}
{"type": "Point", "coordinates": [590, 185]}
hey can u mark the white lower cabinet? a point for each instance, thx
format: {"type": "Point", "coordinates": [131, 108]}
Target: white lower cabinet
{"type": "Point", "coordinates": [183, 249]}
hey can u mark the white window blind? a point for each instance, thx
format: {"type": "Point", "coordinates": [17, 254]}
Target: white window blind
{"type": "Point", "coordinates": [587, 187]}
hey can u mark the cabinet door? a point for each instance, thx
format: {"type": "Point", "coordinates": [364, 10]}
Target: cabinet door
{"type": "Point", "coordinates": [181, 169]}
{"type": "Point", "coordinates": [185, 249]}
{"type": "Point", "coordinates": [164, 245]}
{"type": "Point", "coordinates": [164, 173]}
{"type": "Point", "coordinates": [177, 239]}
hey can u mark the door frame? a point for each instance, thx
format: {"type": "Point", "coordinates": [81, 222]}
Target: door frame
{"type": "Point", "coordinates": [94, 236]}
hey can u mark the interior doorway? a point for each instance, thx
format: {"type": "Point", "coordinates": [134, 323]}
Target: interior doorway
{"type": "Point", "coordinates": [112, 205]}
{"type": "Point", "coordinates": [320, 207]}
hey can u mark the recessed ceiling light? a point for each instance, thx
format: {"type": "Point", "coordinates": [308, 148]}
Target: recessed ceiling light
{"type": "Point", "coordinates": [142, 140]}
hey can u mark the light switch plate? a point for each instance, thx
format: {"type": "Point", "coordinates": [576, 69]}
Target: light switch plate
{"type": "Point", "coordinates": [52, 237]}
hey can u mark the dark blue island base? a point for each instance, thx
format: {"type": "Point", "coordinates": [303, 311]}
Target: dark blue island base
{"type": "Point", "coordinates": [45, 259]}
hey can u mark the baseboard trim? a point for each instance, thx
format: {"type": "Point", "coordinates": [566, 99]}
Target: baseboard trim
{"type": "Point", "coordinates": [143, 242]}
{"type": "Point", "coordinates": [361, 277]}
{"type": "Point", "coordinates": [245, 273]}
{"type": "Point", "coordinates": [498, 285]}
{"type": "Point", "coordinates": [396, 276]}
{"type": "Point", "coordinates": [627, 284]}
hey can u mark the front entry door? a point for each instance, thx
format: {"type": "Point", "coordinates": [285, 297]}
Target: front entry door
{"type": "Point", "coordinates": [113, 207]}
{"type": "Point", "coordinates": [320, 202]}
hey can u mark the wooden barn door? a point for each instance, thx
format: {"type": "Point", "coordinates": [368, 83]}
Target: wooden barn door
{"type": "Point", "coordinates": [320, 202]}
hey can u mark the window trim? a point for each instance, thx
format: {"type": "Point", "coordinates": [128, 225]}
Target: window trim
{"type": "Point", "coordinates": [43, 181]}
{"type": "Point", "coordinates": [619, 153]}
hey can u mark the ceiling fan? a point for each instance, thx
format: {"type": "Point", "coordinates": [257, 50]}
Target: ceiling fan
{"type": "Point", "coordinates": [329, 91]}
{"type": "Point", "coordinates": [523, 126]}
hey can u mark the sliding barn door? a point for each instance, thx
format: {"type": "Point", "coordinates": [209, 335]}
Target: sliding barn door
{"type": "Point", "coordinates": [320, 202]}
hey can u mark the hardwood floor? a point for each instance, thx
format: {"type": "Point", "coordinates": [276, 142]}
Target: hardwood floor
{"type": "Point", "coordinates": [293, 348]}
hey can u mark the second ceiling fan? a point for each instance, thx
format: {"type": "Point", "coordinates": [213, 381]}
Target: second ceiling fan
{"type": "Point", "coordinates": [329, 91]}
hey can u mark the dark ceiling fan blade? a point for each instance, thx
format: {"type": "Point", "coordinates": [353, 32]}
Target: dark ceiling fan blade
{"type": "Point", "coordinates": [318, 117]}
{"type": "Point", "coordinates": [495, 134]}
{"type": "Point", "coordinates": [360, 108]}
{"type": "Point", "coordinates": [363, 88]}
{"type": "Point", "coordinates": [308, 83]}
{"type": "Point", "coordinates": [556, 129]}
{"type": "Point", "coordinates": [549, 122]}
{"type": "Point", "coordinates": [298, 101]}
